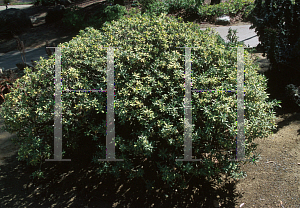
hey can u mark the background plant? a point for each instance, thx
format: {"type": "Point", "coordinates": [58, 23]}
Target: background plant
{"type": "Point", "coordinates": [145, 4]}
{"type": "Point", "coordinates": [178, 5]}
{"type": "Point", "coordinates": [294, 93]}
{"type": "Point", "coordinates": [157, 8]}
{"type": "Point", "coordinates": [149, 82]}
{"type": "Point", "coordinates": [231, 8]}
{"type": "Point", "coordinates": [75, 18]}
{"type": "Point", "coordinates": [232, 38]}
{"type": "Point", "coordinates": [114, 12]}
{"type": "Point", "coordinates": [6, 83]}
{"type": "Point", "coordinates": [6, 1]}
{"type": "Point", "coordinates": [277, 25]}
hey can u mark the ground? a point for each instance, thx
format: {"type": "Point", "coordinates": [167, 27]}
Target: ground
{"type": "Point", "coordinates": [272, 182]}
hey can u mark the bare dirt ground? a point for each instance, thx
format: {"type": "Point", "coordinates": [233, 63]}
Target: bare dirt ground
{"type": "Point", "coordinates": [272, 182]}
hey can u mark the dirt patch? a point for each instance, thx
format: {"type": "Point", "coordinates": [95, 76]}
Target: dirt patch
{"type": "Point", "coordinates": [276, 176]}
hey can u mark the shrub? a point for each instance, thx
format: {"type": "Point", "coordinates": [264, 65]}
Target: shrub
{"type": "Point", "coordinates": [293, 93]}
{"type": "Point", "coordinates": [232, 8]}
{"type": "Point", "coordinates": [133, 11]}
{"type": "Point", "coordinates": [145, 4]}
{"type": "Point", "coordinates": [177, 5]}
{"type": "Point", "coordinates": [157, 8]}
{"type": "Point", "coordinates": [114, 12]}
{"type": "Point", "coordinates": [6, 82]}
{"type": "Point", "coordinates": [149, 96]}
{"type": "Point", "coordinates": [75, 19]}
{"type": "Point", "coordinates": [135, 3]}
{"type": "Point", "coordinates": [277, 24]}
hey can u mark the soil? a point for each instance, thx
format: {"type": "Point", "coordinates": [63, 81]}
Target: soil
{"type": "Point", "coordinates": [272, 182]}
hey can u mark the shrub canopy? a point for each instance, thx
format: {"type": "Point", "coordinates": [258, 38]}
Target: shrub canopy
{"type": "Point", "coordinates": [149, 97]}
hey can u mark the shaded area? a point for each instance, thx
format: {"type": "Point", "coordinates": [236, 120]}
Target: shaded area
{"type": "Point", "coordinates": [75, 184]}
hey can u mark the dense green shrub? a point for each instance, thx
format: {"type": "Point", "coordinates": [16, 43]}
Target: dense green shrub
{"type": "Point", "coordinates": [231, 8]}
{"type": "Point", "coordinates": [168, 6]}
{"type": "Point", "coordinates": [114, 12]}
{"type": "Point", "coordinates": [146, 4]}
{"type": "Point", "coordinates": [191, 7]}
{"type": "Point", "coordinates": [157, 8]}
{"type": "Point", "coordinates": [149, 89]}
{"type": "Point", "coordinates": [177, 5]}
{"type": "Point", "coordinates": [75, 18]}
{"type": "Point", "coordinates": [277, 24]}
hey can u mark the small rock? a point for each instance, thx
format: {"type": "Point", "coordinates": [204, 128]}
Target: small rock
{"type": "Point", "coordinates": [33, 19]}
{"type": "Point", "coordinates": [223, 20]}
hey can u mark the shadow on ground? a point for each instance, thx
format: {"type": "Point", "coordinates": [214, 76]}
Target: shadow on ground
{"type": "Point", "coordinates": [72, 184]}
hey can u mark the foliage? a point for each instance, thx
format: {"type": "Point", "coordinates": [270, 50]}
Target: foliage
{"type": "Point", "coordinates": [36, 2]}
{"type": "Point", "coordinates": [149, 96]}
{"type": "Point", "coordinates": [232, 38]}
{"type": "Point", "coordinates": [48, 2]}
{"type": "Point", "coordinates": [6, 1]}
{"type": "Point", "coordinates": [294, 93]}
{"type": "Point", "coordinates": [157, 8]}
{"type": "Point", "coordinates": [110, 1]}
{"type": "Point", "coordinates": [231, 8]}
{"type": "Point", "coordinates": [5, 84]}
{"type": "Point", "coordinates": [114, 12]}
{"type": "Point", "coordinates": [177, 5]}
{"type": "Point", "coordinates": [277, 24]}
{"type": "Point", "coordinates": [75, 19]}
{"type": "Point", "coordinates": [133, 11]}
{"type": "Point", "coordinates": [169, 6]}
{"type": "Point", "coordinates": [145, 4]}
{"type": "Point", "coordinates": [135, 3]}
